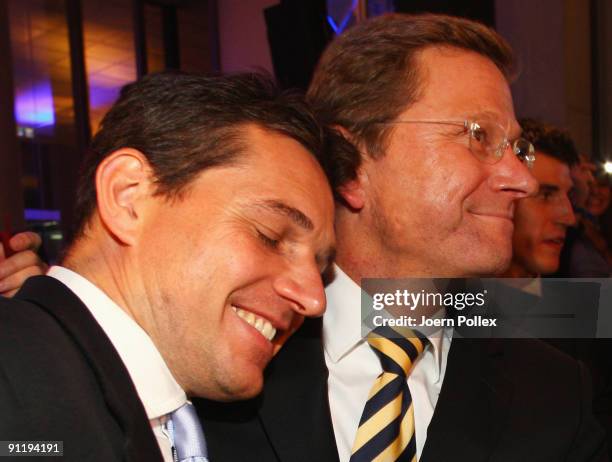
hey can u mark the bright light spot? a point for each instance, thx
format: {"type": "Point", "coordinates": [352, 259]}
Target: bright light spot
{"type": "Point", "coordinates": [34, 106]}
{"type": "Point", "coordinates": [608, 167]}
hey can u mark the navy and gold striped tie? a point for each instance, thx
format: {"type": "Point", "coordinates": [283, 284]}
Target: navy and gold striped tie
{"type": "Point", "coordinates": [386, 428]}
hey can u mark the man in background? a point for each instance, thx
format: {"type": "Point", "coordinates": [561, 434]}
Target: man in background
{"type": "Point", "coordinates": [205, 220]}
{"type": "Point", "coordinates": [426, 100]}
{"type": "Point", "coordinates": [584, 253]}
{"type": "Point", "coordinates": [583, 175]}
{"type": "Point", "coordinates": [540, 226]}
{"type": "Point", "coordinates": [541, 221]}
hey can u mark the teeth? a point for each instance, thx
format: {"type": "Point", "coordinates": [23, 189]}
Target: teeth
{"type": "Point", "coordinates": [262, 325]}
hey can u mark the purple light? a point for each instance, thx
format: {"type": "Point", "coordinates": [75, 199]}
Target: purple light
{"type": "Point", "coordinates": [102, 96]}
{"type": "Point", "coordinates": [334, 7]}
{"type": "Point", "coordinates": [34, 106]}
{"type": "Point", "coordinates": [42, 215]}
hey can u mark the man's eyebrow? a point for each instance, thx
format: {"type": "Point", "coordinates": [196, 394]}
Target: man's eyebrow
{"type": "Point", "coordinates": [485, 113]}
{"type": "Point", "coordinates": [514, 129]}
{"type": "Point", "coordinates": [295, 215]}
{"type": "Point", "coordinates": [547, 187]}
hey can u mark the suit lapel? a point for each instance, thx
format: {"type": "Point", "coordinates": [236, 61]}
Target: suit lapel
{"type": "Point", "coordinates": [473, 404]}
{"type": "Point", "coordinates": [115, 382]}
{"type": "Point", "coordinates": [295, 409]}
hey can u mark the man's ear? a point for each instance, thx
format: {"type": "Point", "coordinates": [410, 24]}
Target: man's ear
{"type": "Point", "coordinates": [123, 183]}
{"type": "Point", "coordinates": [353, 192]}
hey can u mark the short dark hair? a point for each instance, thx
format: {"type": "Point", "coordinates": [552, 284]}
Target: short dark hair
{"type": "Point", "coordinates": [369, 75]}
{"type": "Point", "coordinates": [185, 123]}
{"type": "Point", "coordinates": [550, 140]}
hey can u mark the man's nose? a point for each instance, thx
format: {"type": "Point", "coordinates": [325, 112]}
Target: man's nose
{"type": "Point", "coordinates": [566, 215]}
{"type": "Point", "coordinates": [511, 175]}
{"type": "Point", "coordinates": [302, 285]}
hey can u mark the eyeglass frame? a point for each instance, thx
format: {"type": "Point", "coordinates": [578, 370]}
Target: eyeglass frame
{"type": "Point", "coordinates": [527, 159]}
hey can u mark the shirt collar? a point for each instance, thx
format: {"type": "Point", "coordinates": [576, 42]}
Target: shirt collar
{"type": "Point", "coordinates": [156, 387]}
{"type": "Point", "coordinates": [534, 287]}
{"type": "Point", "coordinates": [531, 286]}
{"type": "Point", "coordinates": [342, 320]}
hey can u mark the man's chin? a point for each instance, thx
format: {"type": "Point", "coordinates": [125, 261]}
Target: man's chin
{"type": "Point", "coordinates": [548, 269]}
{"type": "Point", "coordinates": [232, 388]}
{"type": "Point", "coordinates": [248, 387]}
{"type": "Point", "coordinates": [491, 266]}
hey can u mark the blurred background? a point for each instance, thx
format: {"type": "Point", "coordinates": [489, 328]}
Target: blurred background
{"type": "Point", "coordinates": [64, 62]}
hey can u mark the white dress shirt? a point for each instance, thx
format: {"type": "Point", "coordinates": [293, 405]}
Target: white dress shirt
{"type": "Point", "coordinates": [158, 390]}
{"type": "Point", "coordinates": [353, 367]}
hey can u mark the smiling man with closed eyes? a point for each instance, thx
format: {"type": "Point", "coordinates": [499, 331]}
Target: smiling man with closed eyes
{"type": "Point", "coordinates": [204, 224]}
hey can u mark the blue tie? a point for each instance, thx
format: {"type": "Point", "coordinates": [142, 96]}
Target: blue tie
{"type": "Point", "coordinates": [386, 429]}
{"type": "Point", "coordinates": [187, 435]}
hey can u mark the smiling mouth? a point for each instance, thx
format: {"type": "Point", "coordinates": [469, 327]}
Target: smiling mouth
{"type": "Point", "coordinates": [263, 326]}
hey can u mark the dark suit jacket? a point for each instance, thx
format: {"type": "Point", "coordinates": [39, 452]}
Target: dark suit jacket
{"type": "Point", "coordinates": [575, 337]}
{"type": "Point", "coordinates": [501, 400]}
{"type": "Point", "coordinates": [61, 379]}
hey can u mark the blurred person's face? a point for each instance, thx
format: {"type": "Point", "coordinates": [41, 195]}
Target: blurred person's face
{"type": "Point", "coordinates": [232, 268]}
{"type": "Point", "coordinates": [433, 206]}
{"type": "Point", "coordinates": [584, 181]}
{"type": "Point", "coordinates": [541, 221]}
{"type": "Point", "coordinates": [599, 200]}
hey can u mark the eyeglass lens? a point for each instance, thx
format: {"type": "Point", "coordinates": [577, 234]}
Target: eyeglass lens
{"type": "Point", "coordinates": [488, 141]}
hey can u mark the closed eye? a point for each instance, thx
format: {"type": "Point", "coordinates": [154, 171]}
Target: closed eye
{"type": "Point", "coordinates": [267, 240]}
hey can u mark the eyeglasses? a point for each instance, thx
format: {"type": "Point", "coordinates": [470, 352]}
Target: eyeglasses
{"type": "Point", "coordinates": [488, 140]}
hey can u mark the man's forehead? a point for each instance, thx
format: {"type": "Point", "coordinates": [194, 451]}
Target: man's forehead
{"type": "Point", "coordinates": [551, 170]}
{"type": "Point", "coordinates": [462, 83]}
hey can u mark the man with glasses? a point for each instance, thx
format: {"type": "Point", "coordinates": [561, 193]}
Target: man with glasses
{"type": "Point", "coordinates": [426, 100]}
